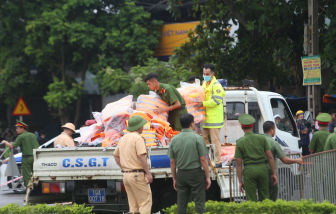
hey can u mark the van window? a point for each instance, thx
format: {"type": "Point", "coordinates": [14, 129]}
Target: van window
{"type": "Point", "coordinates": [233, 110]}
{"type": "Point", "coordinates": [282, 116]}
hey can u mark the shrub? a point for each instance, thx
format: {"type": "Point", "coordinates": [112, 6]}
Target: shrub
{"type": "Point", "coordinates": [267, 206]}
{"type": "Point", "coordinates": [45, 209]}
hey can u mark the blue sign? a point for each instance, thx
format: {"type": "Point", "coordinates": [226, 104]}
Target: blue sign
{"type": "Point", "coordinates": [86, 162]}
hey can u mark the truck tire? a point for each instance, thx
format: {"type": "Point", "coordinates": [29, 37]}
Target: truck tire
{"type": "Point", "coordinates": [21, 189]}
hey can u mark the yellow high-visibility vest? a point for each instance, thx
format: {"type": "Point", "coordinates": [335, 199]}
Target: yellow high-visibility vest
{"type": "Point", "coordinates": [214, 110]}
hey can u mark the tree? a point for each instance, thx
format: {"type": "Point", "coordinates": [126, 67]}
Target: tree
{"type": "Point", "coordinates": [328, 54]}
{"type": "Point", "coordinates": [269, 42]}
{"type": "Point", "coordinates": [113, 81]}
{"type": "Point", "coordinates": [65, 38]}
{"type": "Point", "coordinates": [15, 77]}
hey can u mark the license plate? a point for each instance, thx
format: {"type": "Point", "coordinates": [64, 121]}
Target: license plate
{"type": "Point", "coordinates": [97, 196]}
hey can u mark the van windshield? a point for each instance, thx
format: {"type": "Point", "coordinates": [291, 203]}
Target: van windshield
{"type": "Point", "coordinates": [282, 116]}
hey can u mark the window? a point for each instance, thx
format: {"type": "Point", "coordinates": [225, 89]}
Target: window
{"type": "Point", "coordinates": [282, 116]}
{"type": "Point", "coordinates": [233, 110]}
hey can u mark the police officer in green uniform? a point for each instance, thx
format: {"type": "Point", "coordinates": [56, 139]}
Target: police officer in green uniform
{"type": "Point", "coordinates": [27, 142]}
{"type": "Point", "coordinates": [171, 96]}
{"type": "Point", "coordinates": [253, 150]}
{"type": "Point", "coordinates": [319, 139]}
{"type": "Point", "coordinates": [269, 133]}
{"type": "Point", "coordinates": [330, 143]}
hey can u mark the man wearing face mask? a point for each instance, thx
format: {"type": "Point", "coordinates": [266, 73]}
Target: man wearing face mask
{"type": "Point", "coordinates": [213, 103]}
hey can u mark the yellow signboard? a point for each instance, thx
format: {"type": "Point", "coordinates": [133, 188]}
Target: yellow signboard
{"type": "Point", "coordinates": [173, 35]}
{"type": "Point", "coordinates": [21, 108]}
{"type": "Point", "coordinates": [311, 66]}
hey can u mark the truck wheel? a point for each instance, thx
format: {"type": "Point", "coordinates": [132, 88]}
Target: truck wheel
{"type": "Point", "coordinates": [20, 187]}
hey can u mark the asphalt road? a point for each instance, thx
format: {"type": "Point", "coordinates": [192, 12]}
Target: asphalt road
{"type": "Point", "coordinates": [7, 195]}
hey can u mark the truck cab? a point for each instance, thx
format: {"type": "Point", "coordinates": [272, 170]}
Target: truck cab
{"type": "Point", "coordinates": [263, 106]}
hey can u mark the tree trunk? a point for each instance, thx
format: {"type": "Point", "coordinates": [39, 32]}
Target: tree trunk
{"type": "Point", "coordinates": [79, 101]}
{"type": "Point", "coordinates": [64, 116]}
{"type": "Point", "coordinates": [78, 110]}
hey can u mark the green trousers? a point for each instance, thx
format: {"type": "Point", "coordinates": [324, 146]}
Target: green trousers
{"type": "Point", "coordinates": [273, 189]}
{"type": "Point", "coordinates": [27, 168]}
{"type": "Point", "coordinates": [256, 178]}
{"type": "Point", "coordinates": [174, 118]}
{"type": "Point", "coordinates": [190, 183]}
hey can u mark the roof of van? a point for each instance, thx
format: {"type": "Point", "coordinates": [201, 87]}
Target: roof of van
{"type": "Point", "coordinates": [250, 93]}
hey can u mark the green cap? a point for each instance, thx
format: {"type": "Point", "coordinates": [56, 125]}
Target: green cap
{"type": "Point", "coordinates": [135, 123]}
{"type": "Point", "coordinates": [324, 117]}
{"type": "Point", "coordinates": [20, 123]}
{"type": "Point", "coordinates": [246, 119]}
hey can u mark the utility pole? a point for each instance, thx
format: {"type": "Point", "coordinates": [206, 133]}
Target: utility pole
{"type": "Point", "coordinates": [314, 91]}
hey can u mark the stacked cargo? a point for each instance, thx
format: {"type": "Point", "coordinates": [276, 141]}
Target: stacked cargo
{"type": "Point", "coordinates": [192, 95]}
{"type": "Point", "coordinates": [112, 121]}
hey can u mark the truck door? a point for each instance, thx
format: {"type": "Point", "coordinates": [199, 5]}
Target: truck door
{"type": "Point", "coordinates": [286, 131]}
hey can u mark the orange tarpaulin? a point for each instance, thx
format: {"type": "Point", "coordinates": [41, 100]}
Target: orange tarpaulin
{"type": "Point", "coordinates": [227, 154]}
{"type": "Point", "coordinates": [329, 99]}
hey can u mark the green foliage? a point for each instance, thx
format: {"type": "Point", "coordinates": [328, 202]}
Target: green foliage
{"type": "Point", "coordinates": [14, 78]}
{"type": "Point", "coordinates": [267, 46]}
{"type": "Point", "coordinates": [131, 37]}
{"type": "Point", "coordinates": [267, 206]}
{"type": "Point", "coordinates": [45, 209]}
{"type": "Point", "coordinates": [328, 55]}
{"type": "Point", "coordinates": [60, 96]}
{"type": "Point", "coordinates": [112, 81]}
{"type": "Point", "coordinates": [64, 39]}
{"type": "Point", "coordinates": [14, 64]}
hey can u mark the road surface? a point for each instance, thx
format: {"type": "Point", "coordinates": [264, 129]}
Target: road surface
{"type": "Point", "coordinates": [7, 195]}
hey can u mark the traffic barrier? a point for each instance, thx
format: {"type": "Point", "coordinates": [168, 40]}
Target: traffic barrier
{"type": "Point", "coordinates": [319, 176]}
{"type": "Point", "coordinates": [11, 181]}
{"type": "Point", "coordinates": [235, 194]}
{"type": "Point", "coordinates": [288, 180]}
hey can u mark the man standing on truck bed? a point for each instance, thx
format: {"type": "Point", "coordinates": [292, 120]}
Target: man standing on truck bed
{"type": "Point", "coordinates": [214, 111]}
{"type": "Point", "coordinates": [319, 138]}
{"type": "Point", "coordinates": [269, 130]}
{"type": "Point", "coordinates": [27, 142]}
{"type": "Point", "coordinates": [251, 150]}
{"type": "Point", "coordinates": [171, 96]}
{"type": "Point", "coordinates": [130, 155]}
{"type": "Point", "coordinates": [65, 139]}
{"type": "Point", "coordinates": [187, 153]}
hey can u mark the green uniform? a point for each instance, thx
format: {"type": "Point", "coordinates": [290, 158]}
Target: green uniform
{"type": "Point", "coordinates": [186, 148]}
{"type": "Point", "coordinates": [330, 142]}
{"type": "Point", "coordinates": [170, 95]}
{"type": "Point", "coordinates": [27, 142]}
{"type": "Point", "coordinates": [318, 140]}
{"type": "Point", "coordinates": [277, 153]}
{"type": "Point", "coordinates": [251, 148]}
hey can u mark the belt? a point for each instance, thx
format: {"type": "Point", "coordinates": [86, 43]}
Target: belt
{"type": "Point", "coordinates": [26, 156]}
{"type": "Point", "coordinates": [190, 169]}
{"type": "Point", "coordinates": [182, 107]}
{"type": "Point", "coordinates": [136, 170]}
{"type": "Point", "coordinates": [254, 163]}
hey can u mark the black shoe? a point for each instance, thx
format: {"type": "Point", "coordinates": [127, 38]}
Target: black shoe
{"type": "Point", "coordinates": [219, 165]}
